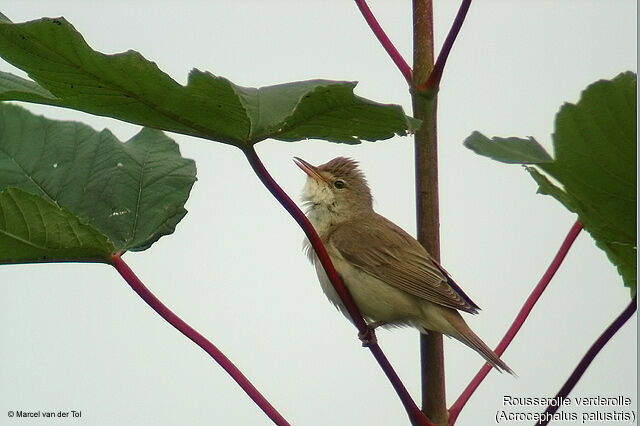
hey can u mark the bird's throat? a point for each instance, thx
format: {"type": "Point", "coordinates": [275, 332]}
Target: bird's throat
{"type": "Point", "coordinates": [321, 217]}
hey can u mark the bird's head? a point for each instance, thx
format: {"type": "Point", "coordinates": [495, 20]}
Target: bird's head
{"type": "Point", "coordinates": [338, 186]}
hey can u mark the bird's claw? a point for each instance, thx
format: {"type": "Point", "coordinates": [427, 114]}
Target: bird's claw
{"type": "Point", "coordinates": [368, 338]}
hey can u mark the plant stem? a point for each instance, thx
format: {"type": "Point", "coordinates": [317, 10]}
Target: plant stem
{"type": "Point", "coordinates": [396, 57]}
{"type": "Point", "coordinates": [589, 357]}
{"type": "Point", "coordinates": [455, 409]}
{"type": "Point", "coordinates": [422, 41]}
{"type": "Point", "coordinates": [155, 303]}
{"type": "Point", "coordinates": [433, 83]}
{"type": "Point", "coordinates": [415, 415]}
{"type": "Point", "coordinates": [427, 216]}
{"type": "Point", "coordinates": [297, 214]}
{"type": "Point", "coordinates": [424, 82]}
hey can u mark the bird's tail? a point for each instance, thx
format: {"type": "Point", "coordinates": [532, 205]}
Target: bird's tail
{"type": "Point", "coordinates": [462, 332]}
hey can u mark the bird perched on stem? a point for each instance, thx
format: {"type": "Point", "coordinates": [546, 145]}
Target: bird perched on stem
{"type": "Point", "coordinates": [390, 275]}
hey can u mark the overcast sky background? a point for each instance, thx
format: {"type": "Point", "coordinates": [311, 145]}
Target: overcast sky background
{"type": "Point", "coordinates": [75, 337]}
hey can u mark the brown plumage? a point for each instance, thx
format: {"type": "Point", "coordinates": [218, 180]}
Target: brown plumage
{"type": "Point", "coordinates": [392, 278]}
{"type": "Point", "coordinates": [411, 268]}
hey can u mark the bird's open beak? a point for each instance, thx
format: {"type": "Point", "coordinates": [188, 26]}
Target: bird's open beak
{"type": "Point", "coordinates": [312, 171]}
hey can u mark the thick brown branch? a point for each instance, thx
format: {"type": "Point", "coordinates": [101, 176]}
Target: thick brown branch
{"type": "Point", "coordinates": [426, 166]}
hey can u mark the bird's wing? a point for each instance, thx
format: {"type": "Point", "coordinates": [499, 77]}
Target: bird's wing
{"type": "Point", "coordinates": [396, 258]}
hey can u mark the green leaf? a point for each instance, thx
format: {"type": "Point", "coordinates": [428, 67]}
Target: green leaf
{"type": "Point", "coordinates": [595, 161]}
{"type": "Point", "coordinates": [508, 150]}
{"type": "Point", "coordinates": [547, 188]}
{"type": "Point", "coordinates": [12, 86]}
{"type": "Point", "coordinates": [330, 111]}
{"type": "Point", "coordinates": [132, 192]}
{"type": "Point", "coordinates": [594, 169]}
{"type": "Point", "coordinates": [35, 230]}
{"type": "Point", "coordinates": [126, 86]}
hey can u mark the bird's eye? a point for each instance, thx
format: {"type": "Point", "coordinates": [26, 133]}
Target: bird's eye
{"type": "Point", "coordinates": [339, 184]}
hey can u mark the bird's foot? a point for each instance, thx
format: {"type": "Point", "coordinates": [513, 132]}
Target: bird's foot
{"type": "Point", "coordinates": [369, 338]}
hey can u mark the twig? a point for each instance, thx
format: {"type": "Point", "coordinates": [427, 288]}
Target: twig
{"type": "Point", "coordinates": [436, 74]}
{"type": "Point", "coordinates": [588, 357]}
{"type": "Point", "coordinates": [396, 57]}
{"type": "Point", "coordinates": [455, 409]}
{"type": "Point", "coordinates": [155, 303]}
{"type": "Point", "coordinates": [416, 416]}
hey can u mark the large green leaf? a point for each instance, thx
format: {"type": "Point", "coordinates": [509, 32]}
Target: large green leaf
{"type": "Point", "coordinates": [594, 164]}
{"type": "Point", "coordinates": [68, 73]}
{"type": "Point", "coordinates": [132, 192]}
{"type": "Point", "coordinates": [33, 229]}
{"type": "Point", "coordinates": [508, 150]}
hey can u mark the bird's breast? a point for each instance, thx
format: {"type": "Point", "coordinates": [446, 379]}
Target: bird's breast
{"type": "Point", "coordinates": [376, 300]}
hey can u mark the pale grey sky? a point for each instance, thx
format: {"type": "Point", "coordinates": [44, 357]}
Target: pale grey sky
{"type": "Point", "coordinates": [75, 337]}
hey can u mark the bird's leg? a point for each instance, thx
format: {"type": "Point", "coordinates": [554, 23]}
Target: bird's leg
{"type": "Point", "coordinates": [368, 338]}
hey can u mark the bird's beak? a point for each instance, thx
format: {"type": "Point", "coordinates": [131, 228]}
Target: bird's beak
{"type": "Point", "coordinates": [312, 171]}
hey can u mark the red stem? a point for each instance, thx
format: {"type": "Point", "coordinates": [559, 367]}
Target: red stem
{"type": "Point", "coordinates": [198, 339]}
{"type": "Point", "coordinates": [396, 57]}
{"type": "Point", "coordinates": [436, 74]}
{"type": "Point", "coordinates": [589, 356]}
{"type": "Point", "coordinates": [455, 409]}
{"type": "Point", "coordinates": [368, 335]}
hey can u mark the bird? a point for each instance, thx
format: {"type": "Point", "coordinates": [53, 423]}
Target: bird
{"type": "Point", "coordinates": [392, 278]}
